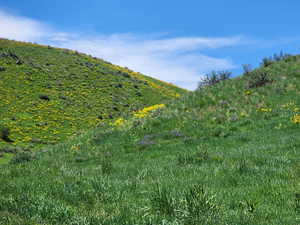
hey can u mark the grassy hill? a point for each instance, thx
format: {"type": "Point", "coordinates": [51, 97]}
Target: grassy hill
{"type": "Point", "coordinates": [48, 94]}
{"type": "Point", "coordinates": [225, 154]}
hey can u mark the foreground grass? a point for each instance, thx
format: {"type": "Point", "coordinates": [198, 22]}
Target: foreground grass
{"type": "Point", "coordinates": [222, 155]}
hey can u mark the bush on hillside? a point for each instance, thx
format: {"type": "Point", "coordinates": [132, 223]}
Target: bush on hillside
{"type": "Point", "coordinates": [213, 78]}
{"type": "Point", "coordinates": [22, 157]}
{"type": "Point", "coordinates": [258, 79]}
{"type": "Point", "coordinates": [267, 61]}
{"type": "Point", "coordinates": [4, 134]}
{"type": "Point", "coordinates": [247, 69]}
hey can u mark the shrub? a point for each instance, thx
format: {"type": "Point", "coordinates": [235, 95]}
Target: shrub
{"type": "Point", "coordinates": [281, 56]}
{"type": "Point", "coordinates": [44, 97]}
{"type": "Point", "coordinates": [11, 149]}
{"type": "Point", "coordinates": [213, 78]}
{"type": "Point", "coordinates": [247, 69]}
{"type": "Point", "coordinates": [267, 61]}
{"type": "Point", "coordinates": [23, 157]}
{"type": "Point", "coordinates": [258, 79]}
{"type": "Point", "coordinates": [4, 134]}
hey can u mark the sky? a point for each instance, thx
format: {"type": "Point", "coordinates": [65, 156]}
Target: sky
{"type": "Point", "coordinates": [172, 40]}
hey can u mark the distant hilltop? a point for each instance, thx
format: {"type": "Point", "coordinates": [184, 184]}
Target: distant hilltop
{"type": "Point", "coordinates": [48, 94]}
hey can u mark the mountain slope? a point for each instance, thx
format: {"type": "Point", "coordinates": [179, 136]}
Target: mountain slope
{"type": "Point", "coordinates": [48, 94]}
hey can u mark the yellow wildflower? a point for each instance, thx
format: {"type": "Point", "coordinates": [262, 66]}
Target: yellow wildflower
{"type": "Point", "coordinates": [265, 109]}
{"type": "Point", "coordinates": [243, 114]}
{"type": "Point", "coordinates": [248, 92]}
{"type": "Point", "coordinates": [27, 139]}
{"type": "Point", "coordinates": [144, 112]}
{"type": "Point", "coordinates": [119, 122]}
{"type": "Point", "coordinates": [75, 147]}
{"type": "Point", "coordinates": [296, 118]}
{"type": "Point", "coordinates": [287, 105]}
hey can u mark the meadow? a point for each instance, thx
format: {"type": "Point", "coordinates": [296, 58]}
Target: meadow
{"type": "Point", "coordinates": [227, 153]}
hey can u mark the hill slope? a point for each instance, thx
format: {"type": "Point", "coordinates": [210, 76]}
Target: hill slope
{"type": "Point", "coordinates": [226, 154]}
{"type": "Point", "coordinates": [48, 94]}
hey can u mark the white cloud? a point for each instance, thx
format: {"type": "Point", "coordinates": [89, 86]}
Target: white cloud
{"type": "Point", "coordinates": [20, 28]}
{"type": "Point", "coordinates": [177, 60]}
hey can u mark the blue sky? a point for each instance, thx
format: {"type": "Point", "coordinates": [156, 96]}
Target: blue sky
{"type": "Point", "coordinates": [173, 40]}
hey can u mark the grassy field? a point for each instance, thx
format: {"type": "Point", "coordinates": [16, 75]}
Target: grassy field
{"type": "Point", "coordinates": [49, 94]}
{"type": "Point", "coordinates": [225, 154]}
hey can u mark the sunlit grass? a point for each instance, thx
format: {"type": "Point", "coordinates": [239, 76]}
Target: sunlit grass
{"type": "Point", "coordinates": [225, 154]}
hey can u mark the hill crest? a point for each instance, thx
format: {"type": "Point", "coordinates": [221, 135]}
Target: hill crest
{"type": "Point", "coordinates": [48, 94]}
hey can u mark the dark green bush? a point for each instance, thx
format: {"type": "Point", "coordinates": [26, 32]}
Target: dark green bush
{"type": "Point", "coordinates": [267, 61]}
{"type": "Point", "coordinates": [213, 78]}
{"type": "Point", "coordinates": [22, 157]}
{"type": "Point", "coordinates": [258, 79]}
{"type": "Point", "coordinates": [4, 134]}
{"type": "Point", "coordinates": [247, 69]}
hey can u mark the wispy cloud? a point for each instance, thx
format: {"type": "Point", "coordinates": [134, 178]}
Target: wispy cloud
{"type": "Point", "coordinates": [178, 60]}
{"type": "Point", "coordinates": [174, 60]}
{"type": "Point", "coordinates": [20, 28]}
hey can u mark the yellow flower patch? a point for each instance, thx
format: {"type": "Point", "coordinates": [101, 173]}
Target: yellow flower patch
{"type": "Point", "coordinates": [119, 122]}
{"type": "Point", "coordinates": [145, 112]}
{"type": "Point", "coordinates": [75, 147]}
{"type": "Point", "coordinates": [296, 118]}
{"type": "Point", "coordinates": [243, 114]}
{"type": "Point", "coordinates": [265, 110]}
{"type": "Point", "coordinates": [248, 92]}
{"type": "Point", "coordinates": [288, 105]}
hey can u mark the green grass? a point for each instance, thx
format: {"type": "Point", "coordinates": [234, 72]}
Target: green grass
{"type": "Point", "coordinates": [49, 94]}
{"type": "Point", "coordinates": [225, 154]}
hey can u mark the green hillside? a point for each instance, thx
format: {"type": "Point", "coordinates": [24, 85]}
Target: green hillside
{"type": "Point", "coordinates": [49, 94]}
{"type": "Point", "coordinates": [225, 154]}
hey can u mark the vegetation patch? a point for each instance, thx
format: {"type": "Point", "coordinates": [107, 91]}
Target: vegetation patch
{"type": "Point", "coordinates": [48, 95]}
{"type": "Point", "coordinates": [224, 154]}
